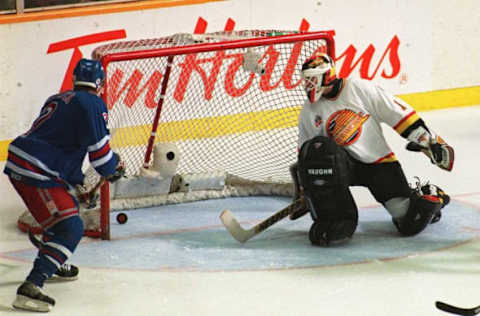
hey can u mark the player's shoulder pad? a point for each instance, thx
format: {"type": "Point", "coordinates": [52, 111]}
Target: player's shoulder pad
{"type": "Point", "coordinates": [89, 101]}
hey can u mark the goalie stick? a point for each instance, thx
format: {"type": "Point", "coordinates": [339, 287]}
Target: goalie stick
{"type": "Point", "coordinates": [457, 310]}
{"type": "Point", "coordinates": [242, 235]}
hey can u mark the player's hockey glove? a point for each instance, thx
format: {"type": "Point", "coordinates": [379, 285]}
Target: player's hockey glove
{"type": "Point", "coordinates": [119, 170]}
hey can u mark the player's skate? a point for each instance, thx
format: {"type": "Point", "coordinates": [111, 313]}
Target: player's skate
{"type": "Point", "coordinates": [30, 297]}
{"type": "Point", "coordinates": [66, 272]}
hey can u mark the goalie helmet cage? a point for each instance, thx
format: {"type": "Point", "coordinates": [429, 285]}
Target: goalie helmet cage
{"type": "Point", "coordinates": [228, 100]}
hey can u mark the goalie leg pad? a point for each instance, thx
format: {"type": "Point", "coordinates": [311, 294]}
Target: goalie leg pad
{"type": "Point", "coordinates": [420, 213]}
{"type": "Point", "coordinates": [325, 233]}
{"type": "Point", "coordinates": [324, 174]}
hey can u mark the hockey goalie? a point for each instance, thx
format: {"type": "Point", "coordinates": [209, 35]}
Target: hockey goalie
{"type": "Point", "coordinates": [341, 144]}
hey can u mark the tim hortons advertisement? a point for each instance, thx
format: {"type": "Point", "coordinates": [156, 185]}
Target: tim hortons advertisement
{"type": "Point", "coordinates": [197, 78]}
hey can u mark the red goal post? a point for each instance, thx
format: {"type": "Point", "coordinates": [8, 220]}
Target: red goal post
{"type": "Point", "coordinates": [226, 103]}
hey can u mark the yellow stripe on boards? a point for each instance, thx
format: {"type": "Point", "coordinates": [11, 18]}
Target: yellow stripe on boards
{"type": "Point", "coordinates": [208, 127]}
{"type": "Point", "coordinates": [283, 118]}
{"type": "Point", "coordinates": [440, 99]}
{"type": "Point", "coordinates": [4, 149]}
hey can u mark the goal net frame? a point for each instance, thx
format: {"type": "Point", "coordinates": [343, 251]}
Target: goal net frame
{"type": "Point", "coordinates": [196, 44]}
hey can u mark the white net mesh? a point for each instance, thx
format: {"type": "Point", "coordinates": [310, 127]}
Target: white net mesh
{"type": "Point", "coordinates": [220, 115]}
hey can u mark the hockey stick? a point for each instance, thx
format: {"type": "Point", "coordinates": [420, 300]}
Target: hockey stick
{"type": "Point", "coordinates": [34, 240]}
{"type": "Point", "coordinates": [457, 310]}
{"type": "Point", "coordinates": [242, 235]}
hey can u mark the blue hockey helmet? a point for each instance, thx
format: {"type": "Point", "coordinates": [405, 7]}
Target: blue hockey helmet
{"type": "Point", "coordinates": [89, 73]}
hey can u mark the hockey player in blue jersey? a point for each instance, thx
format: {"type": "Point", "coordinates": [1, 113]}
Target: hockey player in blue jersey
{"type": "Point", "coordinates": [44, 164]}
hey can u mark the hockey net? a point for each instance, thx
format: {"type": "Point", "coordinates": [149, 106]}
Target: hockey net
{"type": "Point", "coordinates": [201, 116]}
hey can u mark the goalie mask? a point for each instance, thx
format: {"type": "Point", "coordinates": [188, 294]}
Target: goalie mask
{"type": "Point", "coordinates": [318, 72]}
{"type": "Point", "coordinates": [89, 73]}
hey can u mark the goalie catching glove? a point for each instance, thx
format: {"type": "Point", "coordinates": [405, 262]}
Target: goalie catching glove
{"type": "Point", "coordinates": [433, 146]}
{"type": "Point", "coordinates": [119, 170]}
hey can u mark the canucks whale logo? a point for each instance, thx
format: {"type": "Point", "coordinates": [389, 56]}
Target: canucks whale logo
{"type": "Point", "coordinates": [345, 126]}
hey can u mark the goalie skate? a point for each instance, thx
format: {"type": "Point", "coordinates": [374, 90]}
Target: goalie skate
{"type": "Point", "coordinates": [431, 189]}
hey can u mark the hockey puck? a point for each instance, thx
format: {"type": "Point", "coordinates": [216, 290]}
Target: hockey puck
{"type": "Point", "coordinates": [170, 155]}
{"type": "Point", "coordinates": [122, 218]}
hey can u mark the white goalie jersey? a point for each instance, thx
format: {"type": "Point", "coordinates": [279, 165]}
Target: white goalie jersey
{"type": "Point", "coordinates": [353, 120]}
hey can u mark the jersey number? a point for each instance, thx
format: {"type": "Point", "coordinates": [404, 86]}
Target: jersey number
{"type": "Point", "coordinates": [45, 114]}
